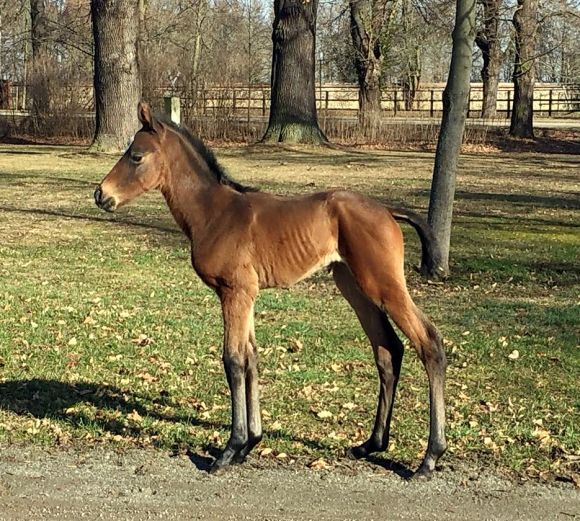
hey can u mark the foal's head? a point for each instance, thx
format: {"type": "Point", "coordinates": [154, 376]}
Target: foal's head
{"type": "Point", "coordinates": [141, 168]}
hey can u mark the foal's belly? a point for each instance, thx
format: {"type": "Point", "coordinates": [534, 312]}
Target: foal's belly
{"type": "Point", "coordinates": [285, 271]}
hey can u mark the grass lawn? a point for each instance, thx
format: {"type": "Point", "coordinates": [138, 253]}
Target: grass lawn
{"type": "Point", "coordinates": [107, 336]}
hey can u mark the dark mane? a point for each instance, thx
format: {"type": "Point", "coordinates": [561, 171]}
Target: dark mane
{"type": "Point", "coordinates": [207, 155]}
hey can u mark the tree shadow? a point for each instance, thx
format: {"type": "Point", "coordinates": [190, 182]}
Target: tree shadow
{"type": "Point", "coordinates": [93, 218]}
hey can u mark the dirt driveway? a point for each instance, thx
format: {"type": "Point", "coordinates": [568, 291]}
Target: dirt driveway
{"type": "Point", "coordinates": [147, 484]}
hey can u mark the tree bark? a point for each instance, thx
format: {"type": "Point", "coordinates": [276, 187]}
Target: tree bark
{"type": "Point", "coordinates": [366, 24]}
{"type": "Point", "coordinates": [41, 68]}
{"type": "Point", "coordinates": [412, 72]}
{"type": "Point", "coordinates": [526, 23]}
{"type": "Point", "coordinates": [116, 80]}
{"type": "Point", "coordinates": [293, 116]}
{"type": "Point", "coordinates": [488, 42]}
{"type": "Point", "coordinates": [455, 101]}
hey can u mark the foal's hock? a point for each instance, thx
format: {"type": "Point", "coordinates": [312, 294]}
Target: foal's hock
{"type": "Point", "coordinates": [243, 240]}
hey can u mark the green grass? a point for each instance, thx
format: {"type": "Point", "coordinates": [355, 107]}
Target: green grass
{"type": "Point", "coordinates": [107, 336]}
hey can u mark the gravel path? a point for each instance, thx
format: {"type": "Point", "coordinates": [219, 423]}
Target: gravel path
{"type": "Point", "coordinates": [147, 484]}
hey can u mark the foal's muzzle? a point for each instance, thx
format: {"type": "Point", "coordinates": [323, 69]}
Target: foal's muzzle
{"type": "Point", "coordinates": [105, 203]}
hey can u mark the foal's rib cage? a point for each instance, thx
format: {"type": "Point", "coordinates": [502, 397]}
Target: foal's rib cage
{"type": "Point", "coordinates": [244, 240]}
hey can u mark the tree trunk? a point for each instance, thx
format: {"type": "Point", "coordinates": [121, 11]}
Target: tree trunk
{"type": "Point", "coordinates": [455, 100]}
{"type": "Point", "coordinates": [488, 41]}
{"type": "Point", "coordinates": [525, 22]}
{"type": "Point", "coordinates": [293, 106]}
{"type": "Point", "coordinates": [40, 77]}
{"type": "Point", "coordinates": [365, 29]}
{"type": "Point", "coordinates": [412, 72]}
{"type": "Point", "coordinates": [117, 82]}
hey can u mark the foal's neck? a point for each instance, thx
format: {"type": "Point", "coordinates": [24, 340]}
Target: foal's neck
{"type": "Point", "coordinates": [191, 192]}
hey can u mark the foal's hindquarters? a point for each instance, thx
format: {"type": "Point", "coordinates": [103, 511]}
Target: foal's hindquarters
{"type": "Point", "coordinates": [372, 279]}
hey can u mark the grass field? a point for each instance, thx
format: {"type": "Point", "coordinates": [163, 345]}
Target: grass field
{"type": "Point", "coordinates": [107, 336]}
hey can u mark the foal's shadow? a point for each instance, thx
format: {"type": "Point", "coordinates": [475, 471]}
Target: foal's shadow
{"type": "Point", "coordinates": [399, 469]}
{"type": "Point", "coordinates": [53, 399]}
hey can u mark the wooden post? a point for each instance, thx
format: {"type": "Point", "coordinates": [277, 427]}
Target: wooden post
{"type": "Point", "coordinates": [263, 103]}
{"type": "Point", "coordinates": [172, 107]}
{"type": "Point", "coordinates": [432, 103]}
{"type": "Point", "coordinates": [550, 98]}
{"type": "Point", "coordinates": [509, 103]}
{"type": "Point", "coordinates": [469, 104]}
{"type": "Point", "coordinates": [395, 102]}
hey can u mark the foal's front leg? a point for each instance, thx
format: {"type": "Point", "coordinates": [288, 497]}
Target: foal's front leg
{"type": "Point", "coordinates": [238, 357]}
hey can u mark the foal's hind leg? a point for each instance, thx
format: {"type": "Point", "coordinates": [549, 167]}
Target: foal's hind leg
{"type": "Point", "coordinates": [388, 351]}
{"type": "Point", "coordinates": [429, 346]}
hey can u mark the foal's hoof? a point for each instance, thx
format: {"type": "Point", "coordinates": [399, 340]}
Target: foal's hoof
{"type": "Point", "coordinates": [238, 459]}
{"type": "Point", "coordinates": [357, 452]}
{"type": "Point", "coordinates": [219, 468]}
{"type": "Point", "coordinates": [424, 473]}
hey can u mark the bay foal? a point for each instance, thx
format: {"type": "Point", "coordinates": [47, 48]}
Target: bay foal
{"type": "Point", "coordinates": [243, 240]}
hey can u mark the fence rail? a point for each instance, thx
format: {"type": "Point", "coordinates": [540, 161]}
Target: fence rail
{"type": "Point", "coordinates": [243, 102]}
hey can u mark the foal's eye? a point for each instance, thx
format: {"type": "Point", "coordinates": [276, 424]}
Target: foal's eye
{"type": "Point", "coordinates": [136, 157]}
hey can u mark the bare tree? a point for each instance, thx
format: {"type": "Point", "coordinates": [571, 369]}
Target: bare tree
{"type": "Point", "coordinates": [369, 20]}
{"type": "Point", "coordinates": [41, 66]}
{"type": "Point", "coordinates": [116, 81]}
{"type": "Point", "coordinates": [488, 41]}
{"type": "Point", "coordinates": [525, 22]}
{"type": "Point", "coordinates": [293, 117]}
{"type": "Point", "coordinates": [455, 100]}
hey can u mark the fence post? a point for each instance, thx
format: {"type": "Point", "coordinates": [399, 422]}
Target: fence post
{"type": "Point", "coordinates": [234, 102]}
{"type": "Point", "coordinates": [395, 102]}
{"type": "Point", "coordinates": [263, 103]}
{"type": "Point", "coordinates": [172, 107]}
{"type": "Point", "coordinates": [469, 104]}
{"type": "Point", "coordinates": [432, 103]}
{"type": "Point", "coordinates": [509, 104]}
{"type": "Point", "coordinates": [550, 97]}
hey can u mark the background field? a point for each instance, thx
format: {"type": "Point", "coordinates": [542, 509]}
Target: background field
{"type": "Point", "coordinates": [108, 337]}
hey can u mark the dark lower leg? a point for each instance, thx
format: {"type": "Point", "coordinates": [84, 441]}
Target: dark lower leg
{"type": "Point", "coordinates": [389, 367]}
{"type": "Point", "coordinates": [253, 409]}
{"type": "Point", "coordinates": [435, 366]}
{"type": "Point", "coordinates": [235, 374]}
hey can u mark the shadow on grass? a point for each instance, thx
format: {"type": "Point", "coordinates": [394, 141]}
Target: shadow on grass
{"type": "Point", "coordinates": [53, 399]}
{"type": "Point", "coordinates": [93, 218]}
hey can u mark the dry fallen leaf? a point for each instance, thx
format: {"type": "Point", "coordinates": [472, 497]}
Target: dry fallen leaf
{"type": "Point", "coordinates": [135, 416]}
{"type": "Point", "coordinates": [324, 414]}
{"type": "Point", "coordinates": [295, 345]}
{"type": "Point", "coordinates": [514, 355]}
{"type": "Point", "coordinates": [143, 340]}
{"type": "Point", "coordinates": [318, 464]}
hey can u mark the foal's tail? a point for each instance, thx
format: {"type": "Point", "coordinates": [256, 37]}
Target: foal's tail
{"type": "Point", "coordinates": [431, 254]}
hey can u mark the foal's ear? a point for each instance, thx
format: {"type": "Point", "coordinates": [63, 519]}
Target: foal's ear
{"type": "Point", "coordinates": [145, 115]}
{"type": "Point", "coordinates": [147, 118]}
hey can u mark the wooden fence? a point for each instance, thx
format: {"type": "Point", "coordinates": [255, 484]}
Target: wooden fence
{"type": "Point", "coordinates": [333, 101]}
{"type": "Point", "coordinates": [342, 101]}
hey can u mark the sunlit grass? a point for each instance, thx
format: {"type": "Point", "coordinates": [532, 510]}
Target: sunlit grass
{"type": "Point", "coordinates": [107, 336]}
